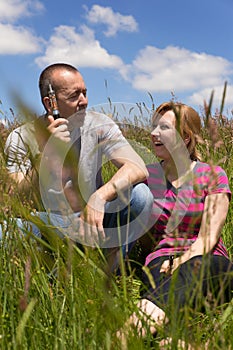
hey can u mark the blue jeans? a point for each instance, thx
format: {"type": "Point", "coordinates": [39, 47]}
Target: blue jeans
{"type": "Point", "coordinates": [125, 220]}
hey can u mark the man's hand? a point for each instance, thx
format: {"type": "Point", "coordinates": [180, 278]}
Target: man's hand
{"type": "Point", "coordinates": [47, 126]}
{"type": "Point", "coordinates": [59, 128]}
{"type": "Point", "coordinates": [91, 221]}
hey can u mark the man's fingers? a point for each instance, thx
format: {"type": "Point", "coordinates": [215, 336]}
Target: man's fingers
{"type": "Point", "coordinates": [56, 122]}
{"type": "Point", "coordinates": [91, 234]}
{"type": "Point", "coordinates": [101, 234]}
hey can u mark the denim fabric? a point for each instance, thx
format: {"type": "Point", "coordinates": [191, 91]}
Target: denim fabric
{"type": "Point", "coordinates": [132, 214]}
{"type": "Point", "coordinates": [127, 218]}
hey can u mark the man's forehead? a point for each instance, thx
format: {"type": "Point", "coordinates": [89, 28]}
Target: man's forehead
{"type": "Point", "coordinates": [73, 88]}
{"type": "Point", "coordinates": [67, 76]}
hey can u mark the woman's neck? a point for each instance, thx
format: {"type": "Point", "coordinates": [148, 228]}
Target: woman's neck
{"type": "Point", "coordinates": [177, 172]}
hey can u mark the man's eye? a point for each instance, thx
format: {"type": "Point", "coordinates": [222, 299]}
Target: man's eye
{"type": "Point", "coordinates": [78, 93]}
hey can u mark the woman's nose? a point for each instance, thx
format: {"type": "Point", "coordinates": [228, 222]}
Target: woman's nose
{"type": "Point", "coordinates": [155, 132]}
{"type": "Point", "coordinates": [154, 137]}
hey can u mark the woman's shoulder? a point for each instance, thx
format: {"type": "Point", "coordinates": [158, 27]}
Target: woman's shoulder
{"type": "Point", "coordinates": [156, 174]}
{"type": "Point", "coordinates": [155, 169]}
{"type": "Point", "coordinates": [208, 168]}
{"type": "Point", "coordinates": [212, 177]}
{"type": "Point", "coordinates": [156, 179]}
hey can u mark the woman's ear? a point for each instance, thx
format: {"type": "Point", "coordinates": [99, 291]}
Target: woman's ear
{"type": "Point", "coordinates": [186, 139]}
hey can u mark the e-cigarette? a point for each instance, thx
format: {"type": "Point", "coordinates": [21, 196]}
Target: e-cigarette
{"type": "Point", "coordinates": [171, 258]}
{"type": "Point", "coordinates": [53, 102]}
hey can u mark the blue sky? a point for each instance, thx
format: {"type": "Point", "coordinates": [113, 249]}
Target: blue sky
{"type": "Point", "coordinates": [123, 48]}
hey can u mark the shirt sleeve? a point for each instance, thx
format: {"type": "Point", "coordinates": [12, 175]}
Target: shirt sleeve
{"type": "Point", "coordinates": [111, 138]}
{"type": "Point", "coordinates": [219, 182]}
{"type": "Point", "coordinates": [19, 149]}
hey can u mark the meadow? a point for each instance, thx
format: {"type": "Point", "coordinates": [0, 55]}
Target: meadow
{"type": "Point", "coordinates": [57, 295]}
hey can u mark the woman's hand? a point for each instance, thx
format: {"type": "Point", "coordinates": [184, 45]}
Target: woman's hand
{"type": "Point", "coordinates": [170, 265]}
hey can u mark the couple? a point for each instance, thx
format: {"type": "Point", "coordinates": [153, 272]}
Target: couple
{"type": "Point", "coordinates": [184, 201]}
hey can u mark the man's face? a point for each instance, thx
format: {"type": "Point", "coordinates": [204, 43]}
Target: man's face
{"type": "Point", "coordinates": [70, 92]}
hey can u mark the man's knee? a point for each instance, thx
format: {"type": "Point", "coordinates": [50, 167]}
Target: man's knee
{"type": "Point", "coordinates": [141, 198]}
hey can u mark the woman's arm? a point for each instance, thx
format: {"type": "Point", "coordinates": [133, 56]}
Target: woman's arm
{"type": "Point", "coordinates": [214, 216]}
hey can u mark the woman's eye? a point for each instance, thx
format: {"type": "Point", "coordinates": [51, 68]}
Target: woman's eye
{"type": "Point", "coordinates": [161, 126]}
{"type": "Point", "coordinates": [164, 126]}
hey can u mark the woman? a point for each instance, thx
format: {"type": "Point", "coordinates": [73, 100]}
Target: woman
{"type": "Point", "coordinates": [189, 264]}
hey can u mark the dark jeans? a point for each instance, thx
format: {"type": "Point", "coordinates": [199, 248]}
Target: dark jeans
{"type": "Point", "coordinates": [126, 219]}
{"type": "Point", "coordinates": [199, 282]}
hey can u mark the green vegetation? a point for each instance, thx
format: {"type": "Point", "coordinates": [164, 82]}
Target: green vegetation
{"type": "Point", "coordinates": [55, 295]}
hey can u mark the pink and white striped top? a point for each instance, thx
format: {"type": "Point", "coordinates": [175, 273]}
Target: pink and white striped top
{"type": "Point", "coordinates": [177, 212]}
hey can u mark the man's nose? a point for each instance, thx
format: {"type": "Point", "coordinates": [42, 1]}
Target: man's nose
{"type": "Point", "coordinates": [83, 99]}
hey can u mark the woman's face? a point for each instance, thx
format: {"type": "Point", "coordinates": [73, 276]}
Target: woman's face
{"type": "Point", "coordinates": [164, 135]}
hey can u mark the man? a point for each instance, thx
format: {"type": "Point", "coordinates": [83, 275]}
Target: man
{"type": "Point", "coordinates": [62, 157]}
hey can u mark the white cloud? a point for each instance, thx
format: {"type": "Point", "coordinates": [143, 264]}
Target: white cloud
{"type": "Point", "coordinates": [113, 20]}
{"type": "Point", "coordinates": [197, 98]}
{"type": "Point", "coordinates": [177, 69]}
{"type": "Point", "coordinates": [80, 49]}
{"type": "Point", "coordinates": [166, 70]}
{"type": "Point", "coordinates": [15, 39]}
{"type": "Point", "coordinates": [18, 40]}
{"type": "Point", "coordinates": [11, 10]}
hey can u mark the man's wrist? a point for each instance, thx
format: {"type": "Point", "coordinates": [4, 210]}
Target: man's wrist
{"type": "Point", "coordinates": [107, 192]}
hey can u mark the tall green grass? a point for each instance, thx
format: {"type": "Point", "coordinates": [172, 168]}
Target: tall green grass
{"type": "Point", "coordinates": [55, 295]}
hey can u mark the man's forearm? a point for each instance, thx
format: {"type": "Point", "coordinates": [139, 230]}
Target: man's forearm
{"type": "Point", "coordinates": [128, 175]}
{"type": "Point", "coordinates": [29, 183]}
{"type": "Point", "coordinates": [26, 183]}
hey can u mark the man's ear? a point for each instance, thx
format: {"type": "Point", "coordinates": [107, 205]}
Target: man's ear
{"type": "Point", "coordinates": [47, 104]}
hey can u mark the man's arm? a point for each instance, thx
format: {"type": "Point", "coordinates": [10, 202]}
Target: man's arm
{"type": "Point", "coordinates": [27, 182]}
{"type": "Point", "coordinates": [131, 170]}
{"type": "Point", "coordinates": [21, 162]}
{"type": "Point", "coordinates": [25, 147]}
{"type": "Point", "coordinates": [26, 185]}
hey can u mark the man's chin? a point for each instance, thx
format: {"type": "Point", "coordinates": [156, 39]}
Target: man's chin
{"type": "Point", "coordinates": [77, 117]}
